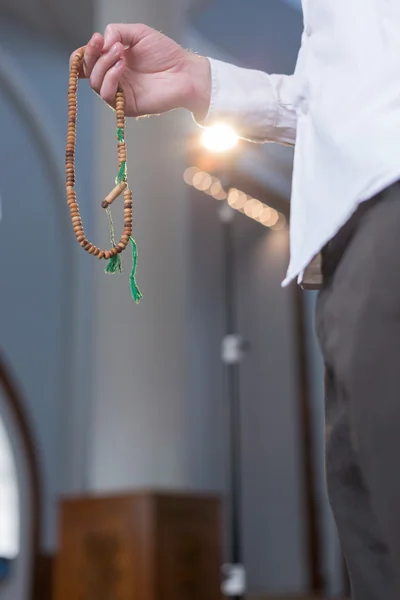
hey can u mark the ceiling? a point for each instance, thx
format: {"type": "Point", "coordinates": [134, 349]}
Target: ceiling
{"type": "Point", "coordinates": [57, 18]}
{"type": "Point", "coordinates": [70, 21]}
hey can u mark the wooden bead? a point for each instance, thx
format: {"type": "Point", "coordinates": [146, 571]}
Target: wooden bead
{"type": "Point", "coordinates": [116, 192]}
{"type": "Point", "coordinates": [76, 219]}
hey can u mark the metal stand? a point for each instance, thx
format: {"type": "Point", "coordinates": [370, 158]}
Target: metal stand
{"type": "Point", "coordinates": [234, 585]}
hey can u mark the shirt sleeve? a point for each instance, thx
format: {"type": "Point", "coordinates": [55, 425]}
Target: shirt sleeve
{"type": "Point", "coordinates": [257, 105]}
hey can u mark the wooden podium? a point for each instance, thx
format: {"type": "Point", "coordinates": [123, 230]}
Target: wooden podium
{"type": "Point", "coordinates": [141, 546]}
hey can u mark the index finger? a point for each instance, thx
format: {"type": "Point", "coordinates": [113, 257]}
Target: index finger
{"type": "Point", "coordinates": [93, 51]}
{"type": "Point", "coordinates": [126, 34]}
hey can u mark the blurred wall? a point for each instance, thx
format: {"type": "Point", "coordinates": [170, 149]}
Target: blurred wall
{"type": "Point", "coordinates": [38, 278]}
{"type": "Point", "coordinates": [122, 395]}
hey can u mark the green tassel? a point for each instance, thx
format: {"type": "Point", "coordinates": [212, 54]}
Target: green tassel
{"type": "Point", "coordinates": [120, 135]}
{"type": "Point", "coordinates": [122, 176]}
{"type": "Point", "coordinates": [136, 293]}
{"type": "Point", "coordinates": [114, 265]}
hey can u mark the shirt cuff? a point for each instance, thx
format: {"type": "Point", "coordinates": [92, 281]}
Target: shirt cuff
{"type": "Point", "coordinates": [247, 100]}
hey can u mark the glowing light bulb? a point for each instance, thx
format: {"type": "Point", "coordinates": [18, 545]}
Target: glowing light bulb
{"type": "Point", "coordinates": [202, 181]}
{"type": "Point", "coordinates": [233, 197]}
{"type": "Point", "coordinates": [219, 138]}
{"type": "Point", "coordinates": [258, 207]}
{"type": "Point", "coordinates": [265, 215]}
{"type": "Point", "coordinates": [248, 207]}
{"type": "Point", "coordinates": [217, 191]}
{"type": "Point", "coordinates": [189, 174]}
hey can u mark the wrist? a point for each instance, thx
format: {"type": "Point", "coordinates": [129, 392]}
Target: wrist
{"type": "Point", "coordinates": [197, 93]}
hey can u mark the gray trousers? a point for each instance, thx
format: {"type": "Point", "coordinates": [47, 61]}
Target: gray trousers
{"type": "Point", "coordinates": [358, 326]}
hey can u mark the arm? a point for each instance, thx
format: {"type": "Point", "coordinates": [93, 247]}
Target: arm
{"type": "Point", "coordinates": [257, 105]}
{"type": "Point", "coordinates": [158, 75]}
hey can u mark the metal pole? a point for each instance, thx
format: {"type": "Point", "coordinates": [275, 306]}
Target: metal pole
{"type": "Point", "coordinates": [232, 352]}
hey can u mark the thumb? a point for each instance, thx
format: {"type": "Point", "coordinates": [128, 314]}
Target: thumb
{"type": "Point", "coordinates": [126, 34]}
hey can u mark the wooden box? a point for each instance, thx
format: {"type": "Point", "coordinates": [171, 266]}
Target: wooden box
{"type": "Point", "coordinates": [142, 546]}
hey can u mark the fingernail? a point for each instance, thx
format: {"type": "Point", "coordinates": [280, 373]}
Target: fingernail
{"type": "Point", "coordinates": [115, 49]}
{"type": "Point", "coordinates": [118, 64]}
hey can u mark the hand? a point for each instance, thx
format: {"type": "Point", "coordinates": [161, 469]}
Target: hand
{"type": "Point", "coordinates": [157, 74]}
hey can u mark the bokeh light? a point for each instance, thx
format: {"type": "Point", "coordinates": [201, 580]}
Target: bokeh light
{"type": "Point", "coordinates": [219, 138]}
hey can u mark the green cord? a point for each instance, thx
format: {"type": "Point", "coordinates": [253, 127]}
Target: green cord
{"type": "Point", "coordinates": [135, 292]}
{"type": "Point", "coordinates": [120, 134]}
{"type": "Point", "coordinates": [114, 264]}
{"type": "Point", "coordinates": [122, 174]}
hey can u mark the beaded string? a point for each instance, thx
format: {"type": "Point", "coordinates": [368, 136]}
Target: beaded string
{"type": "Point", "coordinates": [121, 184]}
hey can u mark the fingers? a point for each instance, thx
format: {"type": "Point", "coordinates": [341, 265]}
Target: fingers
{"type": "Point", "coordinates": [93, 52]}
{"type": "Point", "coordinates": [105, 66]}
{"type": "Point", "coordinates": [110, 83]}
{"type": "Point", "coordinates": [125, 34]}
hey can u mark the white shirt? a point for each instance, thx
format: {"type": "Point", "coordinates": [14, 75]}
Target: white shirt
{"type": "Point", "coordinates": [341, 109]}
